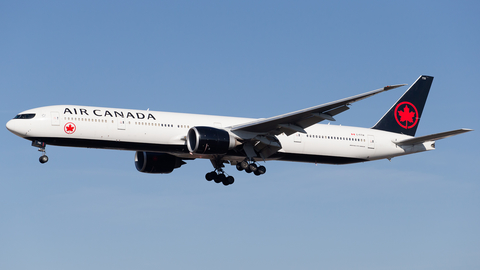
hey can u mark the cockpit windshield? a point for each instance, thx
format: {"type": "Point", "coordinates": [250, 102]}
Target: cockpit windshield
{"type": "Point", "coordinates": [25, 116]}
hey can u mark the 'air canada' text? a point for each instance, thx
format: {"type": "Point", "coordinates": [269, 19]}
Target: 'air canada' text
{"type": "Point", "coordinates": [104, 113]}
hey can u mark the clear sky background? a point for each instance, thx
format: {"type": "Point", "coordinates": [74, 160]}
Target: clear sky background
{"type": "Point", "coordinates": [90, 209]}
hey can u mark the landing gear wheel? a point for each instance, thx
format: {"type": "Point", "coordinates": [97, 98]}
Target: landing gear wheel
{"type": "Point", "coordinates": [228, 181]}
{"type": "Point", "coordinates": [210, 176]}
{"type": "Point", "coordinates": [43, 159]}
{"type": "Point", "coordinates": [244, 165]}
{"type": "Point", "coordinates": [252, 167]}
{"type": "Point", "coordinates": [261, 170]}
{"type": "Point", "coordinates": [220, 178]}
{"type": "Point", "coordinates": [239, 167]}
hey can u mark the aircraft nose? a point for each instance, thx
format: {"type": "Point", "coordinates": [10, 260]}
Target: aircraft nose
{"type": "Point", "coordinates": [13, 127]}
{"type": "Point", "coordinates": [10, 125]}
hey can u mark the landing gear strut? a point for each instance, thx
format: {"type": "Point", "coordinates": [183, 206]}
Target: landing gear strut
{"type": "Point", "coordinates": [41, 148]}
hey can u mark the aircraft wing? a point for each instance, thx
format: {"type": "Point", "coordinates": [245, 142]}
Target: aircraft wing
{"type": "Point", "coordinates": [299, 120]}
{"type": "Point", "coordinates": [433, 137]}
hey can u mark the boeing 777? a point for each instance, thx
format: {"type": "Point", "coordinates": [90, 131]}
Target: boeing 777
{"type": "Point", "coordinates": [163, 141]}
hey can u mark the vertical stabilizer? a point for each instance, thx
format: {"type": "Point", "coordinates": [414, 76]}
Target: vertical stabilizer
{"type": "Point", "coordinates": [404, 116]}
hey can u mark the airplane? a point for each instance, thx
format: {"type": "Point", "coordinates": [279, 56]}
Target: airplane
{"type": "Point", "coordinates": [163, 141]}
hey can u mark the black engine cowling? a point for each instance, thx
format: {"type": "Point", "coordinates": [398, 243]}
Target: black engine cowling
{"type": "Point", "coordinates": [148, 162]}
{"type": "Point", "coordinates": [208, 140]}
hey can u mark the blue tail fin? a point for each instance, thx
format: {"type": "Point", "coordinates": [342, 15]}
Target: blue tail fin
{"type": "Point", "coordinates": [404, 116]}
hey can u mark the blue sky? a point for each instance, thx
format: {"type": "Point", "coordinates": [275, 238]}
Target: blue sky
{"type": "Point", "coordinates": [90, 208]}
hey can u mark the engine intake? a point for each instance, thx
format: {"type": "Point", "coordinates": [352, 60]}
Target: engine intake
{"type": "Point", "coordinates": [148, 162]}
{"type": "Point", "coordinates": [208, 140]}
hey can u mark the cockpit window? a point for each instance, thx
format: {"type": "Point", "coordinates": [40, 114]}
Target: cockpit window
{"type": "Point", "coordinates": [25, 116]}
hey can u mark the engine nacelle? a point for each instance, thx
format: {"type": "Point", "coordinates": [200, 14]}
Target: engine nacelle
{"type": "Point", "coordinates": [208, 140]}
{"type": "Point", "coordinates": [148, 162]}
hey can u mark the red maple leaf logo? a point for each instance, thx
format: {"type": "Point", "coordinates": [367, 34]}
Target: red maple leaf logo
{"type": "Point", "coordinates": [406, 115]}
{"type": "Point", "coordinates": [409, 114]}
{"type": "Point", "coordinates": [69, 128]}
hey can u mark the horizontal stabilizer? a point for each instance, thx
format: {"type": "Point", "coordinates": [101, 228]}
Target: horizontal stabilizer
{"type": "Point", "coordinates": [433, 137]}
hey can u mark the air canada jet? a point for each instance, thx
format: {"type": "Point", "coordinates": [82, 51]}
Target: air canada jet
{"type": "Point", "coordinates": [163, 141]}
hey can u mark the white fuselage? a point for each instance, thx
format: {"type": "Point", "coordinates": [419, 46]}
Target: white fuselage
{"type": "Point", "coordinates": [137, 130]}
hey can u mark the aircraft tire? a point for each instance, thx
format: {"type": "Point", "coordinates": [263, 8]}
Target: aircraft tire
{"type": "Point", "coordinates": [228, 181]}
{"type": "Point", "coordinates": [239, 167]}
{"type": "Point", "coordinates": [252, 167]}
{"type": "Point", "coordinates": [220, 178]}
{"type": "Point", "coordinates": [43, 159]}
{"type": "Point", "coordinates": [210, 176]}
{"type": "Point", "coordinates": [244, 164]}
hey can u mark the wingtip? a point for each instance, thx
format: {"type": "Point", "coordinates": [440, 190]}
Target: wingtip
{"type": "Point", "coordinates": [389, 87]}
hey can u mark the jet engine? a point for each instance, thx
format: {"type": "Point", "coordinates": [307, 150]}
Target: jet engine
{"type": "Point", "coordinates": [208, 140]}
{"type": "Point", "coordinates": [148, 162]}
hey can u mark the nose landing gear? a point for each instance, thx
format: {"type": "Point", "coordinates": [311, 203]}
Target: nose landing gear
{"type": "Point", "coordinates": [41, 148]}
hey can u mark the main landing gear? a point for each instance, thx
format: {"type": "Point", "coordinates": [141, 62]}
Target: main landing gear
{"type": "Point", "coordinates": [218, 175]}
{"type": "Point", "coordinates": [251, 167]}
{"type": "Point", "coordinates": [41, 148]}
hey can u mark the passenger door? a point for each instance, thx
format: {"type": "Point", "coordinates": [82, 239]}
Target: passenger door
{"type": "Point", "coordinates": [55, 118]}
